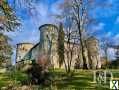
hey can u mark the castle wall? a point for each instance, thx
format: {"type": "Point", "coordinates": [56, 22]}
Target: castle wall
{"type": "Point", "coordinates": [48, 45]}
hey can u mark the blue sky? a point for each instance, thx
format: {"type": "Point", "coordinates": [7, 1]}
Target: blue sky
{"type": "Point", "coordinates": [108, 21]}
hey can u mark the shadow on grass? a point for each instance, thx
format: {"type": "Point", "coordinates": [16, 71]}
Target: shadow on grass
{"type": "Point", "coordinates": [80, 81]}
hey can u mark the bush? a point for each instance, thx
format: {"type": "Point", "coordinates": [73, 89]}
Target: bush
{"type": "Point", "coordinates": [38, 75]}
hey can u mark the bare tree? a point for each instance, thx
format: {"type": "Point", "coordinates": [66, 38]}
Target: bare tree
{"type": "Point", "coordinates": [71, 49]}
{"type": "Point", "coordinates": [105, 45]}
{"type": "Point", "coordinates": [77, 11]}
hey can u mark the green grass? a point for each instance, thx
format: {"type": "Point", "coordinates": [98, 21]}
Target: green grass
{"type": "Point", "coordinates": [12, 78]}
{"type": "Point", "coordinates": [81, 80]}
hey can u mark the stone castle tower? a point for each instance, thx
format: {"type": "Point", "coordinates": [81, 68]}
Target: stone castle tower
{"type": "Point", "coordinates": [92, 45]}
{"type": "Point", "coordinates": [48, 41]}
{"type": "Point", "coordinates": [22, 49]}
{"type": "Point", "coordinates": [48, 36]}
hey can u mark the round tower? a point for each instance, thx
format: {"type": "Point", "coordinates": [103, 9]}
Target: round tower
{"type": "Point", "coordinates": [92, 46]}
{"type": "Point", "coordinates": [48, 41]}
{"type": "Point", "coordinates": [93, 52]}
{"type": "Point", "coordinates": [48, 36]}
{"type": "Point", "coordinates": [21, 50]}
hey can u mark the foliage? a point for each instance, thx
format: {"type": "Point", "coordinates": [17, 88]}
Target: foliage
{"type": "Point", "coordinates": [8, 19]}
{"type": "Point", "coordinates": [5, 49]}
{"type": "Point", "coordinates": [114, 64]}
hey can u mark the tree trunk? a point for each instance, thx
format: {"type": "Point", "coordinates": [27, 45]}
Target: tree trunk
{"type": "Point", "coordinates": [82, 48]}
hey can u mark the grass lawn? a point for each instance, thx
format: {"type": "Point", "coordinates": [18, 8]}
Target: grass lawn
{"type": "Point", "coordinates": [81, 80]}
{"type": "Point", "coordinates": [13, 78]}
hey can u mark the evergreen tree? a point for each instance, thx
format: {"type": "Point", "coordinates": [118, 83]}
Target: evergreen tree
{"type": "Point", "coordinates": [61, 45]}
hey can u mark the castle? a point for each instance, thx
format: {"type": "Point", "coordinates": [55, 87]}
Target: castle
{"type": "Point", "coordinates": [49, 33]}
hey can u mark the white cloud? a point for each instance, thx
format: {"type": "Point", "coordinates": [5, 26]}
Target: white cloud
{"type": "Point", "coordinates": [108, 34]}
{"type": "Point", "coordinates": [11, 34]}
{"type": "Point", "coordinates": [116, 36]}
{"type": "Point", "coordinates": [100, 26]}
{"type": "Point", "coordinates": [44, 13]}
{"type": "Point", "coordinates": [55, 9]}
{"type": "Point", "coordinates": [116, 39]}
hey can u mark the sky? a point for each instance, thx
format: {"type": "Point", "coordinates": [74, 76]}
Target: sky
{"type": "Point", "coordinates": [108, 22]}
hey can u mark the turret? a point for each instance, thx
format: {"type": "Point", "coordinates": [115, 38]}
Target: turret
{"type": "Point", "coordinates": [22, 49]}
